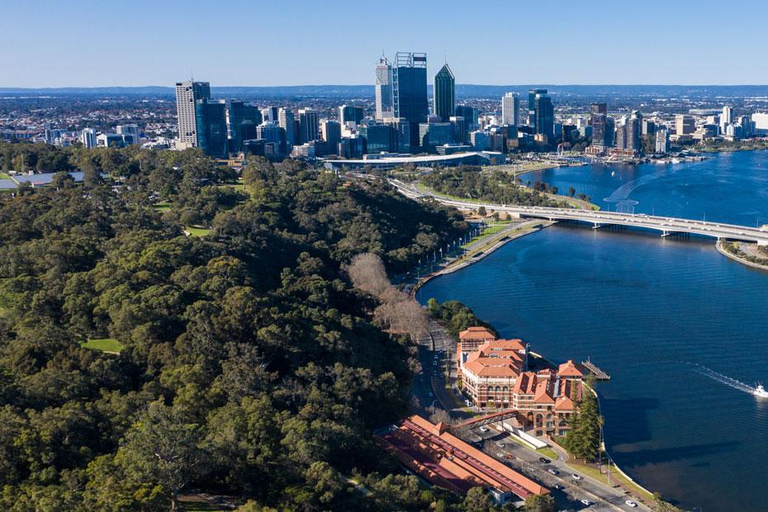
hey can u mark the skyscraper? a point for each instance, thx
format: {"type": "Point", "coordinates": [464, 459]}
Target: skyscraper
{"type": "Point", "coordinates": [309, 122]}
{"type": "Point", "coordinates": [350, 113]}
{"type": "Point", "coordinates": [531, 105]}
{"type": "Point", "coordinates": [409, 86]}
{"type": "Point", "coordinates": [510, 109]}
{"type": "Point", "coordinates": [130, 133]}
{"type": "Point", "coordinates": [187, 96]}
{"type": "Point", "coordinates": [726, 118]}
{"type": "Point", "coordinates": [383, 86]}
{"type": "Point", "coordinates": [598, 120]}
{"type": "Point", "coordinates": [212, 133]}
{"type": "Point", "coordinates": [242, 119]}
{"type": "Point", "coordinates": [445, 93]}
{"type": "Point", "coordinates": [285, 120]}
{"type": "Point", "coordinates": [544, 116]}
{"type": "Point", "coordinates": [331, 133]}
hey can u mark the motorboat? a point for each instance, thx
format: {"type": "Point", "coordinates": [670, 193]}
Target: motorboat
{"type": "Point", "coordinates": [760, 391]}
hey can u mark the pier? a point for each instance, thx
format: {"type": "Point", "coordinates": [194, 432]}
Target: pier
{"type": "Point", "coordinates": [597, 372]}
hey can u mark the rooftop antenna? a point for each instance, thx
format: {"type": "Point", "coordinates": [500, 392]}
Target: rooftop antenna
{"type": "Point", "coordinates": [445, 56]}
{"type": "Point", "coordinates": [191, 75]}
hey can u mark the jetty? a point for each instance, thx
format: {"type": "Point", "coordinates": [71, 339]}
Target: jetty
{"type": "Point", "coordinates": [594, 370]}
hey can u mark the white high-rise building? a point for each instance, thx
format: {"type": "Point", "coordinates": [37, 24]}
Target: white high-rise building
{"type": "Point", "coordinates": [187, 95]}
{"type": "Point", "coordinates": [384, 91]}
{"type": "Point", "coordinates": [285, 120]}
{"type": "Point", "coordinates": [726, 118]}
{"type": "Point", "coordinates": [510, 109]}
{"type": "Point", "coordinates": [88, 137]}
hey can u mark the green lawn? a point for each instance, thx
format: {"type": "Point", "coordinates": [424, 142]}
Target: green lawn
{"type": "Point", "coordinates": [4, 176]}
{"type": "Point", "coordinates": [593, 472]}
{"type": "Point", "coordinates": [237, 186]}
{"type": "Point", "coordinates": [548, 453]}
{"type": "Point", "coordinates": [193, 231]}
{"type": "Point", "coordinates": [103, 344]}
{"type": "Point", "coordinates": [162, 207]}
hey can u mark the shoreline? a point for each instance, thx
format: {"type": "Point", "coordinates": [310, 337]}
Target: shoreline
{"type": "Point", "coordinates": [719, 245]}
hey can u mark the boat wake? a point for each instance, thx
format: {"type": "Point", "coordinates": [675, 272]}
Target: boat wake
{"type": "Point", "coordinates": [724, 379]}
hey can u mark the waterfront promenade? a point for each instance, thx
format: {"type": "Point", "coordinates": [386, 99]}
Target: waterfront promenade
{"type": "Point", "coordinates": [666, 225]}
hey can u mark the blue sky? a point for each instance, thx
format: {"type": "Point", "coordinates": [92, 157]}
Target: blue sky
{"type": "Point", "coordinates": [64, 43]}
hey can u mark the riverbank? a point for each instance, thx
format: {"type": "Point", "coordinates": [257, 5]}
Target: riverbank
{"type": "Point", "coordinates": [476, 254]}
{"type": "Point", "coordinates": [737, 252]}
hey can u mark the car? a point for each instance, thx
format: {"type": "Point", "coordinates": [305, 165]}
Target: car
{"type": "Point", "coordinates": [483, 429]}
{"type": "Point", "coordinates": [500, 444]}
{"type": "Point", "coordinates": [630, 503]}
{"type": "Point", "coordinates": [554, 471]}
{"type": "Point", "coordinates": [558, 487]}
{"type": "Point", "coordinates": [586, 502]}
{"type": "Point", "coordinates": [575, 476]}
{"type": "Point", "coordinates": [500, 455]}
{"type": "Point", "coordinates": [544, 460]}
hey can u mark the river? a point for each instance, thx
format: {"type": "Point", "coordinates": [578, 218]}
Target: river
{"type": "Point", "coordinates": [648, 310]}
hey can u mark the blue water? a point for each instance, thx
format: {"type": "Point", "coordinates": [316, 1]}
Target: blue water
{"type": "Point", "coordinates": [646, 309]}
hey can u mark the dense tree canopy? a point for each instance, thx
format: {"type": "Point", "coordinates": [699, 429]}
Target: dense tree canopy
{"type": "Point", "coordinates": [250, 367]}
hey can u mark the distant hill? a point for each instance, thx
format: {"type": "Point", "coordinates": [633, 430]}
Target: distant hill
{"type": "Point", "coordinates": [366, 91]}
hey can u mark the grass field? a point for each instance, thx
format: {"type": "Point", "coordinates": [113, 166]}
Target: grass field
{"type": "Point", "coordinates": [4, 176]}
{"type": "Point", "coordinates": [104, 344]}
{"type": "Point", "coordinates": [593, 472]}
{"type": "Point", "coordinates": [193, 231]}
{"type": "Point", "coordinates": [162, 207]}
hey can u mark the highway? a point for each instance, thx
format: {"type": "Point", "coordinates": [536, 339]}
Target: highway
{"type": "Point", "coordinates": [666, 225]}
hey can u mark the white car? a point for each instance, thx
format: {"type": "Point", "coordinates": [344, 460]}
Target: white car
{"type": "Point", "coordinates": [586, 502]}
{"type": "Point", "coordinates": [630, 503]}
{"type": "Point", "coordinates": [500, 444]}
{"type": "Point", "coordinates": [483, 429]}
{"type": "Point", "coordinates": [575, 476]}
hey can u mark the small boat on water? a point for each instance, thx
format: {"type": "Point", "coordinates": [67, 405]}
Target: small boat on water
{"type": "Point", "coordinates": [760, 391]}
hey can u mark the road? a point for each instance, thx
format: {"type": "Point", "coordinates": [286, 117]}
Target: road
{"type": "Point", "coordinates": [667, 225]}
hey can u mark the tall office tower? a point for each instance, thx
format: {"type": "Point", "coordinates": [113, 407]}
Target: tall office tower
{"type": "Point", "coordinates": [544, 116]}
{"type": "Point", "coordinates": [242, 120]}
{"type": "Point", "coordinates": [330, 130]}
{"type": "Point", "coordinates": [130, 133]}
{"type": "Point", "coordinates": [634, 126]}
{"type": "Point", "coordinates": [621, 134]}
{"type": "Point", "coordinates": [309, 122]}
{"type": "Point", "coordinates": [662, 140]}
{"type": "Point", "coordinates": [383, 86]}
{"type": "Point", "coordinates": [187, 96]}
{"type": "Point", "coordinates": [271, 133]}
{"type": "Point", "coordinates": [726, 118]}
{"type": "Point", "coordinates": [212, 133]}
{"type": "Point", "coordinates": [445, 93]}
{"type": "Point", "coordinates": [286, 121]}
{"type": "Point", "coordinates": [269, 115]}
{"type": "Point", "coordinates": [598, 121]}
{"type": "Point", "coordinates": [510, 109]}
{"type": "Point", "coordinates": [598, 108]}
{"type": "Point", "coordinates": [409, 90]}
{"type": "Point", "coordinates": [350, 113]}
{"type": "Point", "coordinates": [460, 131]}
{"type": "Point", "coordinates": [684, 124]}
{"type": "Point", "coordinates": [88, 137]}
{"type": "Point", "coordinates": [468, 113]}
{"type": "Point", "coordinates": [402, 130]}
{"type": "Point", "coordinates": [532, 105]}
{"type": "Point", "coordinates": [380, 138]}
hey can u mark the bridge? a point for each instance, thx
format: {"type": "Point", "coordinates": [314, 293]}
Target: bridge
{"type": "Point", "coordinates": [666, 225]}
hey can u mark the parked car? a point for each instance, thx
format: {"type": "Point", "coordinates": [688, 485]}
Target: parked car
{"type": "Point", "coordinates": [630, 503]}
{"type": "Point", "coordinates": [554, 471]}
{"type": "Point", "coordinates": [483, 429]}
{"type": "Point", "coordinates": [544, 460]}
{"type": "Point", "coordinates": [576, 477]}
{"type": "Point", "coordinates": [500, 444]}
{"type": "Point", "coordinates": [586, 502]}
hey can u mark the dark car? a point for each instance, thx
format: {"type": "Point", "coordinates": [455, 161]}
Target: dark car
{"type": "Point", "coordinates": [544, 460]}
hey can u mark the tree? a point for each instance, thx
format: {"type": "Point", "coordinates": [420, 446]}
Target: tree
{"type": "Point", "coordinates": [477, 500]}
{"type": "Point", "coordinates": [539, 503]}
{"type": "Point", "coordinates": [583, 440]}
{"type": "Point", "coordinates": [163, 446]}
{"type": "Point", "coordinates": [571, 191]}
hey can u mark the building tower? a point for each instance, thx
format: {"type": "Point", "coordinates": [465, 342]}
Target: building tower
{"type": "Point", "coordinates": [726, 118]}
{"type": "Point", "coordinates": [383, 86]}
{"type": "Point", "coordinates": [309, 122]}
{"type": "Point", "coordinates": [409, 90]}
{"type": "Point", "coordinates": [531, 105]}
{"type": "Point", "coordinates": [544, 116]}
{"type": "Point", "coordinates": [510, 109]}
{"type": "Point", "coordinates": [187, 95]}
{"type": "Point", "coordinates": [445, 93]}
{"type": "Point", "coordinates": [212, 132]}
{"type": "Point", "coordinates": [285, 120]}
{"type": "Point", "coordinates": [88, 137]}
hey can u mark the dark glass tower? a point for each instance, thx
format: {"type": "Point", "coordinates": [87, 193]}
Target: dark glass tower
{"type": "Point", "coordinates": [445, 93]}
{"type": "Point", "coordinates": [409, 76]}
{"type": "Point", "coordinates": [544, 116]}
{"type": "Point", "coordinates": [211, 117]}
{"type": "Point", "coordinates": [531, 105]}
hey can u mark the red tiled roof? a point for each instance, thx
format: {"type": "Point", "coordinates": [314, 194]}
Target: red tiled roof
{"type": "Point", "coordinates": [571, 369]}
{"type": "Point", "coordinates": [476, 334]}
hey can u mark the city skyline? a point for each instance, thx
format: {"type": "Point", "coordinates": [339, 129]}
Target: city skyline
{"type": "Point", "coordinates": [57, 47]}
